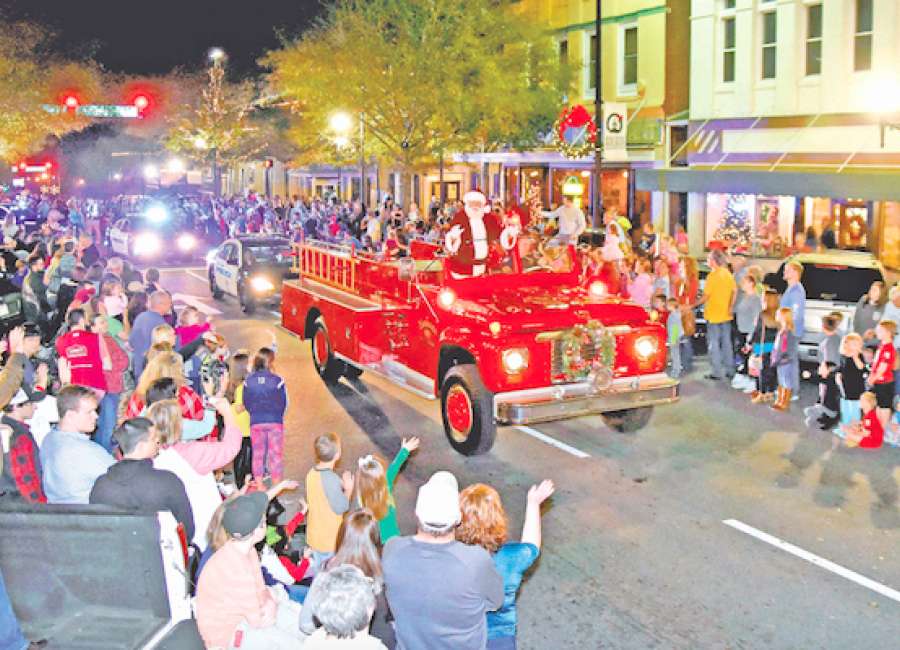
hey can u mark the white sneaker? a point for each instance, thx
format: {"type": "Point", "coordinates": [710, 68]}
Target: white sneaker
{"type": "Point", "coordinates": [811, 411]}
{"type": "Point", "coordinates": [737, 382]}
{"type": "Point", "coordinates": [751, 387]}
{"type": "Point", "coordinates": [795, 397]}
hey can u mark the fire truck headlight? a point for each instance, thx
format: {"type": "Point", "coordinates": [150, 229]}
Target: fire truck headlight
{"type": "Point", "coordinates": [515, 360]}
{"type": "Point", "coordinates": [645, 347]}
{"type": "Point", "coordinates": [446, 298]}
{"type": "Point", "coordinates": [597, 289]}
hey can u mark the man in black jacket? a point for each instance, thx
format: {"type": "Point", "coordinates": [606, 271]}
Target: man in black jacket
{"type": "Point", "coordinates": [134, 484]}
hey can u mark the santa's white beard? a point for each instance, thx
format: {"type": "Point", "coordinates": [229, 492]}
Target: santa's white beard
{"type": "Point", "coordinates": [475, 213]}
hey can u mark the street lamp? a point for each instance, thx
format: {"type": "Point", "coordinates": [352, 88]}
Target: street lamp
{"type": "Point", "coordinates": [200, 143]}
{"type": "Point", "coordinates": [883, 94]}
{"type": "Point", "coordinates": [216, 54]}
{"type": "Point", "coordinates": [176, 166]}
{"type": "Point", "coordinates": [342, 124]}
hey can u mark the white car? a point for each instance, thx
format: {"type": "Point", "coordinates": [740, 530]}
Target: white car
{"type": "Point", "coordinates": [251, 268]}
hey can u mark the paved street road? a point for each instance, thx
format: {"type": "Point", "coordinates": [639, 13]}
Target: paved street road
{"type": "Point", "coordinates": [636, 554]}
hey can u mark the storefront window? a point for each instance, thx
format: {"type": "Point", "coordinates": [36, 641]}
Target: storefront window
{"type": "Point", "coordinates": [890, 234]}
{"type": "Point", "coordinates": [615, 190]}
{"type": "Point", "coordinates": [760, 225]}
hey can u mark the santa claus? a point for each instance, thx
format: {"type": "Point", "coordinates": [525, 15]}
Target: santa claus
{"type": "Point", "coordinates": [473, 233]}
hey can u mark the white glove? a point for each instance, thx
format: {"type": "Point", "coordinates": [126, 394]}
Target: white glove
{"type": "Point", "coordinates": [508, 237]}
{"type": "Point", "coordinates": [453, 240]}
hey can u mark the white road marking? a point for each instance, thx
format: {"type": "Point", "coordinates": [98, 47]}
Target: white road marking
{"type": "Point", "coordinates": [184, 268]}
{"type": "Point", "coordinates": [193, 274]}
{"type": "Point", "coordinates": [553, 442]}
{"type": "Point", "coordinates": [194, 301]}
{"type": "Point", "coordinates": [812, 558]}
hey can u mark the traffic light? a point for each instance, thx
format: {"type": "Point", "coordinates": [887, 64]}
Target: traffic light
{"type": "Point", "coordinates": [141, 102]}
{"type": "Point", "coordinates": [70, 102]}
{"type": "Point", "coordinates": [268, 163]}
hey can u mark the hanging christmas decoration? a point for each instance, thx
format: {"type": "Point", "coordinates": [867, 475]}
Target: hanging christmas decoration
{"type": "Point", "coordinates": [575, 132]}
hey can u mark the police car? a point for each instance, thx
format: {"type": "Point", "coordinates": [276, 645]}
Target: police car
{"type": "Point", "coordinates": [250, 268]}
{"type": "Point", "coordinates": [148, 231]}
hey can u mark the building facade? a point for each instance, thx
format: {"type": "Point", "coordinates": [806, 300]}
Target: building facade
{"type": "Point", "coordinates": [642, 43]}
{"type": "Point", "coordinates": [793, 109]}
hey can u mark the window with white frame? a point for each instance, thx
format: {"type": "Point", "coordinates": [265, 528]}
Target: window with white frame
{"type": "Point", "coordinates": [628, 62]}
{"type": "Point", "coordinates": [591, 67]}
{"type": "Point", "coordinates": [769, 44]}
{"type": "Point", "coordinates": [729, 41]}
{"type": "Point", "coordinates": [862, 37]}
{"type": "Point", "coordinates": [813, 39]}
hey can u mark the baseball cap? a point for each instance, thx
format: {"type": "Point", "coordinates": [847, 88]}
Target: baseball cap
{"type": "Point", "coordinates": [438, 500]}
{"type": "Point", "coordinates": [31, 329]}
{"type": "Point", "coordinates": [244, 514]}
{"type": "Point", "coordinates": [23, 397]}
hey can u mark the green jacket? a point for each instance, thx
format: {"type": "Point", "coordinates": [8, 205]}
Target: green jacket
{"type": "Point", "coordinates": [389, 526]}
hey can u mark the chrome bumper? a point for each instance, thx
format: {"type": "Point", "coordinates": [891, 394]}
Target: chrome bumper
{"type": "Point", "coordinates": [574, 400]}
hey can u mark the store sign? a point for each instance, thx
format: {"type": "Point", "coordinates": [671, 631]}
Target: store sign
{"type": "Point", "coordinates": [615, 132]}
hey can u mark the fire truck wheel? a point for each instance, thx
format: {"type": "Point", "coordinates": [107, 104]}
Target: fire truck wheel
{"type": "Point", "coordinates": [327, 365]}
{"type": "Point", "coordinates": [467, 411]}
{"type": "Point", "coordinates": [213, 287]}
{"type": "Point", "coordinates": [629, 420]}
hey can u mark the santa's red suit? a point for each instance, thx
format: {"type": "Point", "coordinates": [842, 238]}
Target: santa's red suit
{"type": "Point", "coordinates": [472, 236]}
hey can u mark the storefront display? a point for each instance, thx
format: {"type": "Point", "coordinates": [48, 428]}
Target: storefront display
{"type": "Point", "coordinates": [756, 224]}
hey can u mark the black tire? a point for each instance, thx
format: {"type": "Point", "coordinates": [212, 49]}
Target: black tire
{"type": "Point", "coordinates": [248, 305]}
{"type": "Point", "coordinates": [460, 384]}
{"type": "Point", "coordinates": [351, 372]}
{"type": "Point", "coordinates": [213, 287]}
{"type": "Point", "coordinates": [628, 420]}
{"type": "Point", "coordinates": [329, 367]}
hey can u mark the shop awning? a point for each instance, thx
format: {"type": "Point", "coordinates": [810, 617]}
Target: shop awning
{"type": "Point", "coordinates": [876, 186]}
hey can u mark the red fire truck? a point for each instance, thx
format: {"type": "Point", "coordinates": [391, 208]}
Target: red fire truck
{"type": "Point", "coordinates": [529, 342]}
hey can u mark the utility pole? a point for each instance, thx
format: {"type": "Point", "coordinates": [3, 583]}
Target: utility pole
{"type": "Point", "coordinates": [598, 120]}
{"type": "Point", "coordinates": [363, 197]}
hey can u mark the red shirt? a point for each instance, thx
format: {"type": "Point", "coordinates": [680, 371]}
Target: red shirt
{"type": "Point", "coordinates": [874, 431]}
{"type": "Point", "coordinates": [82, 350]}
{"type": "Point", "coordinates": [884, 363]}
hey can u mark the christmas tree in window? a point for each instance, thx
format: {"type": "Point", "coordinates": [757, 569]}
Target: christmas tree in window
{"type": "Point", "coordinates": [735, 227]}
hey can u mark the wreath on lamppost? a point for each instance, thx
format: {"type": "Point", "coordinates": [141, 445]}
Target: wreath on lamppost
{"type": "Point", "coordinates": [575, 132]}
{"type": "Point", "coordinates": [592, 335]}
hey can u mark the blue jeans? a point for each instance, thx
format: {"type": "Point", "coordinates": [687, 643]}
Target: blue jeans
{"type": "Point", "coordinates": [11, 637]}
{"type": "Point", "coordinates": [106, 422]}
{"type": "Point", "coordinates": [686, 343]}
{"type": "Point", "coordinates": [721, 355]}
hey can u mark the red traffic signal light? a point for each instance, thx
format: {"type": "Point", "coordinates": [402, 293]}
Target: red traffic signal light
{"type": "Point", "coordinates": [70, 102]}
{"type": "Point", "coordinates": [141, 102]}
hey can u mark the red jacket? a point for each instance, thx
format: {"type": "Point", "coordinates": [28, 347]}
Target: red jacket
{"type": "Point", "coordinates": [464, 259]}
{"type": "Point", "coordinates": [874, 431]}
{"type": "Point", "coordinates": [82, 350]}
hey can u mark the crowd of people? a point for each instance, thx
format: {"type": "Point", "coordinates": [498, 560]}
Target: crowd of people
{"type": "Point", "coordinates": [112, 397]}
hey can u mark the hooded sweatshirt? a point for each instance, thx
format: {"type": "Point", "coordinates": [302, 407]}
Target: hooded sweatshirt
{"type": "Point", "coordinates": [136, 485]}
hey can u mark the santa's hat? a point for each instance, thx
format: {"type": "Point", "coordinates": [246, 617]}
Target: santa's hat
{"type": "Point", "coordinates": [474, 195]}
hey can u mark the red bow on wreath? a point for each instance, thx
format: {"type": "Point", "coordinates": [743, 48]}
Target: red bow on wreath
{"type": "Point", "coordinates": [575, 117]}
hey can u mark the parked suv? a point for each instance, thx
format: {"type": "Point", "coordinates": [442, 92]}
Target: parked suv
{"type": "Point", "coordinates": [834, 282]}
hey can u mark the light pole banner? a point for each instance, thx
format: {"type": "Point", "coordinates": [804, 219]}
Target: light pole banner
{"type": "Point", "coordinates": [615, 132]}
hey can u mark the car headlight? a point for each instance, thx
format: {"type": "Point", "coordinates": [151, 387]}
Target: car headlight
{"type": "Point", "coordinates": [515, 360]}
{"type": "Point", "coordinates": [156, 214]}
{"type": "Point", "coordinates": [186, 242]}
{"type": "Point", "coordinates": [147, 243]}
{"type": "Point", "coordinates": [211, 256]}
{"type": "Point", "coordinates": [261, 285]}
{"type": "Point", "coordinates": [645, 347]}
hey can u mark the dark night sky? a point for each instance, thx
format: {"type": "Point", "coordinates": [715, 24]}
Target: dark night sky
{"type": "Point", "coordinates": [153, 36]}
